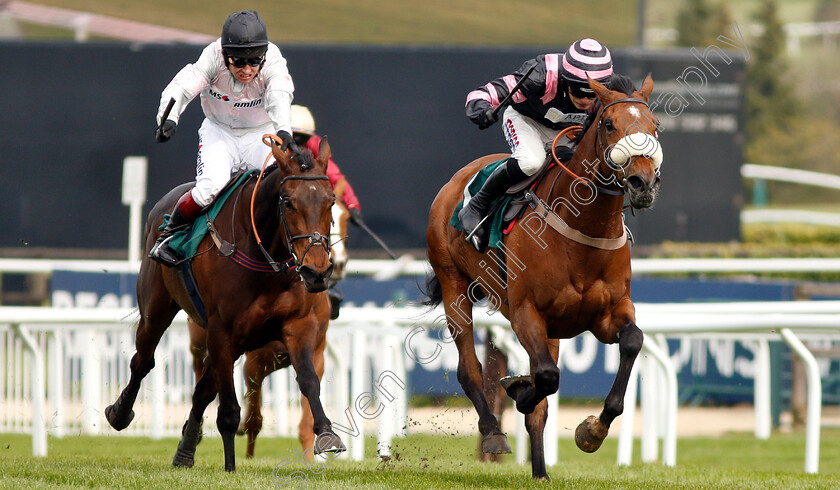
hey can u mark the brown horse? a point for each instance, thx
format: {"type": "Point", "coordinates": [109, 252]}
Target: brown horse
{"type": "Point", "coordinates": [275, 356]}
{"type": "Point", "coordinates": [248, 303]}
{"type": "Point", "coordinates": [561, 281]}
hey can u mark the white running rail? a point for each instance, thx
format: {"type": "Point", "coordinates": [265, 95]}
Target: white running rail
{"type": "Point", "coordinates": [98, 343]}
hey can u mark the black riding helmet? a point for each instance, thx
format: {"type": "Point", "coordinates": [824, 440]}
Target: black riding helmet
{"type": "Point", "coordinates": [244, 36]}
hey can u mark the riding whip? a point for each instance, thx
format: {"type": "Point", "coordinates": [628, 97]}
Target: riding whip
{"type": "Point", "coordinates": [376, 237]}
{"type": "Point", "coordinates": [513, 90]}
{"type": "Point", "coordinates": [166, 113]}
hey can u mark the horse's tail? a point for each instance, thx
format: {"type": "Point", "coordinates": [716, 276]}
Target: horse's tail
{"type": "Point", "coordinates": [433, 291]}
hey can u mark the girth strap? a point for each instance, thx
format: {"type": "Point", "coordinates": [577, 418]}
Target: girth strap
{"type": "Point", "coordinates": [564, 229]}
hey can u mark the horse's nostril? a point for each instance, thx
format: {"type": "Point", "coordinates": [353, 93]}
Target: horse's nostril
{"type": "Point", "coordinates": [635, 182]}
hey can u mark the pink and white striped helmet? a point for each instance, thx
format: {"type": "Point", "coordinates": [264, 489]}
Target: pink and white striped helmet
{"type": "Point", "coordinates": [587, 57]}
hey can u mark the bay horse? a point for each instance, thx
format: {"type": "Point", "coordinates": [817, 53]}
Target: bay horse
{"type": "Point", "coordinates": [248, 302]}
{"type": "Point", "coordinates": [567, 267]}
{"type": "Point", "coordinates": [274, 356]}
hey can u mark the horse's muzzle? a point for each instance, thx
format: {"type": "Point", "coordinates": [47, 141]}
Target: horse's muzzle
{"type": "Point", "coordinates": [642, 192]}
{"type": "Point", "coordinates": [315, 281]}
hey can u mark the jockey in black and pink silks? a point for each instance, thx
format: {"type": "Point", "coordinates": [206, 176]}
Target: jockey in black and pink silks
{"type": "Point", "coordinates": [246, 91]}
{"type": "Point", "coordinates": [555, 96]}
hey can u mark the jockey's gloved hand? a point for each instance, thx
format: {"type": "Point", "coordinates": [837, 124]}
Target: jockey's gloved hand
{"type": "Point", "coordinates": [356, 216]}
{"type": "Point", "coordinates": [165, 131]}
{"type": "Point", "coordinates": [288, 142]}
{"type": "Point", "coordinates": [487, 119]}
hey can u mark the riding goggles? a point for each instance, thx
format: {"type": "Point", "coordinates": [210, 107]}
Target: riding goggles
{"type": "Point", "coordinates": [241, 62]}
{"type": "Point", "coordinates": [581, 91]}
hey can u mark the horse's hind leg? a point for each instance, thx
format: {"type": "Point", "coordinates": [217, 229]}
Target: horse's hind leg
{"type": "Point", "coordinates": [535, 425]}
{"type": "Point", "coordinates": [258, 365]}
{"type": "Point", "coordinates": [458, 309]}
{"type": "Point", "coordinates": [592, 431]}
{"type": "Point", "coordinates": [495, 367]}
{"type": "Point", "coordinates": [154, 320]}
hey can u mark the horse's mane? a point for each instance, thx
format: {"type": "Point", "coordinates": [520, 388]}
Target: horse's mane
{"type": "Point", "coordinates": [305, 159]}
{"type": "Point", "coordinates": [619, 83]}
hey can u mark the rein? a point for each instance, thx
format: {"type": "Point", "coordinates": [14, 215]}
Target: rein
{"type": "Point", "coordinates": [557, 223]}
{"type": "Point", "coordinates": [314, 238]}
{"type": "Point", "coordinates": [572, 131]}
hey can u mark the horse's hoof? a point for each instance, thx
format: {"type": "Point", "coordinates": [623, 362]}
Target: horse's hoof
{"type": "Point", "coordinates": [183, 459]}
{"type": "Point", "coordinates": [115, 421]}
{"type": "Point", "coordinates": [514, 384]}
{"type": "Point", "coordinates": [590, 434]}
{"type": "Point", "coordinates": [328, 442]}
{"type": "Point", "coordinates": [495, 443]}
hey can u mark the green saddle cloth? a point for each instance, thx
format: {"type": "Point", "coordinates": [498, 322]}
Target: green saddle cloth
{"type": "Point", "coordinates": [497, 219]}
{"type": "Point", "coordinates": [185, 242]}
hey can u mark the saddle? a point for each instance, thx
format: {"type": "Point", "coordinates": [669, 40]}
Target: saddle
{"type": "Point", "coordinates": [520, 196]}
{"type": "Point", "coordinates": [506, 210]}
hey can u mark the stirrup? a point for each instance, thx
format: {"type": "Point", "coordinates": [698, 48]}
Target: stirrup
{"type": "Point", "coordinates": [162, 253]}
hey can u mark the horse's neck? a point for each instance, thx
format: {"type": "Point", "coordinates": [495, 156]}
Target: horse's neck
{"type": "Point", "coordinates": [266, 217]}
{"type": "Point", "coordinates": [572, 200]}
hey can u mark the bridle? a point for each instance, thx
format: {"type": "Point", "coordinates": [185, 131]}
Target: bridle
{"type": "Point", "coordinates": [602, 146]}
{"type": "Point", "coordinates": [314, 238]}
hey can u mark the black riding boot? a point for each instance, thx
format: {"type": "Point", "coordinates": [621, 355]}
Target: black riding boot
{"type": "Point", "coordinates": [184, 213]}
{"type": "Point", "coordinates": [479, 205]}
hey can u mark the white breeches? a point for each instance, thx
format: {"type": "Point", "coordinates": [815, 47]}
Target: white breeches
{"type": "Point", "coordinates": [529, 140]}
{"type": "Point", "coordinates": [221, 153]}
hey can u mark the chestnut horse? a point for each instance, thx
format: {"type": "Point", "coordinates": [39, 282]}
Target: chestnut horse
{"type": "Point", "coordinates": [274, 356]}
{"type": "Point", "coordinates": [567, 264]}
{"type": "Point", "coordinates": [248, 303]}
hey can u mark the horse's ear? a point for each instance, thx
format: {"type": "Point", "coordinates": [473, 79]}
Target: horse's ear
{"type": "Point", "coordinates": [324, 152]}
{"type": "Point", "coordinates": [600, 90]}
{"type": "Point", "coordinates": [283, 159]}
{"type": "Point", "coordinates": [647, 88]}
{"type": "Point", "coordinates": [276, 153]}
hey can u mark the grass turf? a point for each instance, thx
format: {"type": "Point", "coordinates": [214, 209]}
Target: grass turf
{"type": "Point", "coordinates": [418, 461]}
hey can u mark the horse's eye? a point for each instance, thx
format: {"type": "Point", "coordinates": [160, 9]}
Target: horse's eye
{"type": "Point", "coordinates": [287, 203]}
{"type": "Point", "coordinates": [608, 124]}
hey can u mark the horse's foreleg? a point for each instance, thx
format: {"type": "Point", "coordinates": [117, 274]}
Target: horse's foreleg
{"type": "Point", "coordinates": [309, 382]}
{"type": "Point", "coordinates": [227, 417]}
{"type": "Point", "coordinates": [205, 391]}
{"type": "Point", "coordinates": [592, 431]}
{"type": "Point", "coordinates": [121, 412]}
{"type": "Point", "coordinates": [306, 431]}
{"type": "Point", "coordinates": [530, 329]}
